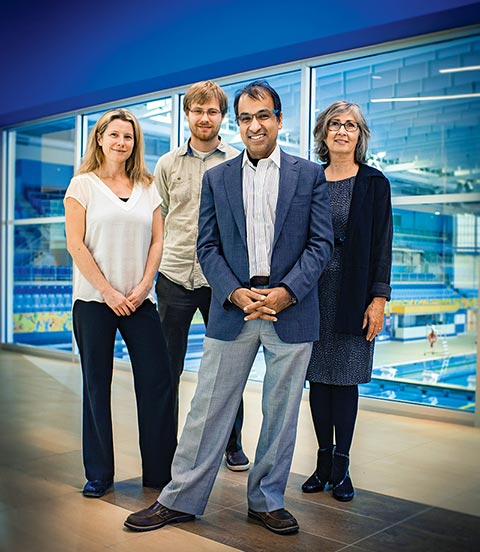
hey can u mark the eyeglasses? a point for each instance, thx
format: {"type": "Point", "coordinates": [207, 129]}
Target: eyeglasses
{"type": "Point", "coordinates": [261, 116]}
{"type": "Point", "coordinates": [197, 112]}
{"type": "Point", "coordinates": [349, 126]}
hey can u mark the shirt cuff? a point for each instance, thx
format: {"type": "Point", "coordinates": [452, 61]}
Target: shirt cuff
{"type": "Point", "coordinates": [293, 298]}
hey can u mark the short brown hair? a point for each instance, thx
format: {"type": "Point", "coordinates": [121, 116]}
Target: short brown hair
{"type": "Point", "coordinates": [204, 91]}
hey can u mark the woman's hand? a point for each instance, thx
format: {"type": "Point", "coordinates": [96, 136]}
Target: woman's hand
{"type": "Point", "coordinates": [138, 294]}
{"type": "Point", "coordinates": [373, 317]}
{"type": "Point", "coordinates": [121, 305]}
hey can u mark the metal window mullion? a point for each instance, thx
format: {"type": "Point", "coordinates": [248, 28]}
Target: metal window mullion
{"type": "Point", "coordinates": [79, 139]}
{"type": "Point", "coordinates": [477, 379]}
{"type": "Point", "coordinates": [176, 133]}
{"type": "Point", "coordinates": [3, 233]}
{"type": "Point", "coordinates": [8, 200]}
{"type": "Point", "coordinates": [79, 148]}
{"type": "Point", "coordinates": [10, 236]}
{"type": "Point", "coordinates": [305, 104]}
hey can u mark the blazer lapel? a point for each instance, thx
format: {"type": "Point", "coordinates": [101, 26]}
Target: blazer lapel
{"type": "Point", "coordinates": [234, 191]}
{"type": "Point", "coordinates": [286, 191]}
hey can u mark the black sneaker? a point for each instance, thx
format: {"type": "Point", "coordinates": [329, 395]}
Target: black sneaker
{"type": "Point", "coordinates": [237, 461]}
{"type": "Point", "coordinates": [155, 516]}
{"type": "Point", "coordinates": [279, 521]}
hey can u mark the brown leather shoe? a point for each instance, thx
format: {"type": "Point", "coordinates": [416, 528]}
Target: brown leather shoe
{"type": "Point", "coordinates": [279, 521]}
{"type": "Point", "coordinates": [155, 516]}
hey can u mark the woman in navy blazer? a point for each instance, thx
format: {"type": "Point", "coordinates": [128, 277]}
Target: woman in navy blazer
{"type": "Point", "coordinates": [352, 291]}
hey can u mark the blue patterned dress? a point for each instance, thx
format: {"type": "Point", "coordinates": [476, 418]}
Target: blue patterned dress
{"type": "Point", "coordinates": [338, 359]}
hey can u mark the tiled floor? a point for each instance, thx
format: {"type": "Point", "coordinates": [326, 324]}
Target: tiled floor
{"type": "Point", "coordinates": [418, 484]}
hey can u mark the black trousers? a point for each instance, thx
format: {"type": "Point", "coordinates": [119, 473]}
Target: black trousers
{"type": "Point", "coordinates": [177, 306]}
{"type": "Point", "coordinates": [95, 326]}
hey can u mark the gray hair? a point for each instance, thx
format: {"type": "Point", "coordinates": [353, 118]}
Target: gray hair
{"type": "Point", "coordinates": [321, 130]}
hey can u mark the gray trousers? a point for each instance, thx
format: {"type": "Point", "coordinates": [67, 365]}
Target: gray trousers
{"type": "Point", "coordinates": [222, 378]}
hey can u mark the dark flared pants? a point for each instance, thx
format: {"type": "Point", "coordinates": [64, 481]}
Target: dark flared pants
{"type": "Point", "coordinates": [95, 326]}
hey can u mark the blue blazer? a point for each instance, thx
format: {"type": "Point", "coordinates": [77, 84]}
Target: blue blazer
{"type": "Point", "coordinates": [302, 245]}
{"type": "Point", "coordinates": [367, 250]}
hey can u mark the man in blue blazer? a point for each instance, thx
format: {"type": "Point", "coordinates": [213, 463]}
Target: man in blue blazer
{"type": "Point", "coordinates": [265, 236]}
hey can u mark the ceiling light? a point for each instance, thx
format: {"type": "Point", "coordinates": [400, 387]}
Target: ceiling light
{"type": "Point", "coordinates": [460, 69]}
{"type": "Point", "coordinates": [427, 98]}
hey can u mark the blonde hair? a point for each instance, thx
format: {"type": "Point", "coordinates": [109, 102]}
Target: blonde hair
{"type": "Point", "coordinates": [321, 130]}
{"type": "Point", "coordinates": [135, 165]}
{"type": "Point", "coordinates": [204, 91]}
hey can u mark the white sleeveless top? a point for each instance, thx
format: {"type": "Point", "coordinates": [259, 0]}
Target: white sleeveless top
{"type": "Point", "coordinates": [118, 234]}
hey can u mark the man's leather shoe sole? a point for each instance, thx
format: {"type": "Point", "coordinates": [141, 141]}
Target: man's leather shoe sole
{"type": "Point", "coordinates": [278, 521]}
{"type": "Point", "coordinates": [155, 517]}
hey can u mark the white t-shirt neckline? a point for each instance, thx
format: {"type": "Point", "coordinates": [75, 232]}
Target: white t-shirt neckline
{"type": "Point", "coordinates": [126, 205]}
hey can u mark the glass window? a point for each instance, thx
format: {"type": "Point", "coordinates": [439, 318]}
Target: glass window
{"type": "Point", "coordinates": [155, 118]}
{"type": "Point", "coordinates": [423, 109]}
{"type": "Point", "coordinates": [42, 169]}
{"type": "Point", "coordinates": [288, 87]}
{"type": "Point", "coordinates": [42, 293]}
{"type": "Point", "coordinates": [422, 106]}
{"type": "Point", "coordinates": [44, 158]}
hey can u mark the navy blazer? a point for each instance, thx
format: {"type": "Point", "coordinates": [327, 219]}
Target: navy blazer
{"type": "Point", "coordinates": [302, 245]}
{"type": "Point", "coordinates": [366, 251]}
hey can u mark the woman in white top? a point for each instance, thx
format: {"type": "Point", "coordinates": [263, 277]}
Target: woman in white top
{"type": "Point", "coordinates": [114, 230]}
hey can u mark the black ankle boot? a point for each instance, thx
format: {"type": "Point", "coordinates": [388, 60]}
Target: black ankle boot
{"type": "Point", "coordinates": [319, 479]}
{"type": "Point", "coordinates": [340, 478]}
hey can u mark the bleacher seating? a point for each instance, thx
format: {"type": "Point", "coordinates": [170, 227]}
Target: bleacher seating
{"type": "Point", "coordinates": [429, 292]}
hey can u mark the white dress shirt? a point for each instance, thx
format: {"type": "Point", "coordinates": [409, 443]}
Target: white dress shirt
{"type": "Point", "coordinates": [260, 193]}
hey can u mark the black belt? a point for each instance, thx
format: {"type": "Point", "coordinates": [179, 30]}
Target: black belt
{"type": "Point", "coordinates": [256, 281]}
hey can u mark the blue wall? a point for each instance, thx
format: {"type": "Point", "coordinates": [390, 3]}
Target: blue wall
{"type": "Point", "coordinates": [57, 56]}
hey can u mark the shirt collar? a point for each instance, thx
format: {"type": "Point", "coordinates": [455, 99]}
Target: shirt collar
{"type": "Point", "coordinates": [185, 149]}
{"type": "Point", "coordinates": [273, 157]}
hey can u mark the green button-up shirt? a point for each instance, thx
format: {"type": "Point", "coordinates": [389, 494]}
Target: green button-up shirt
{"type": "Point", "coordinates": [178, 176]}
